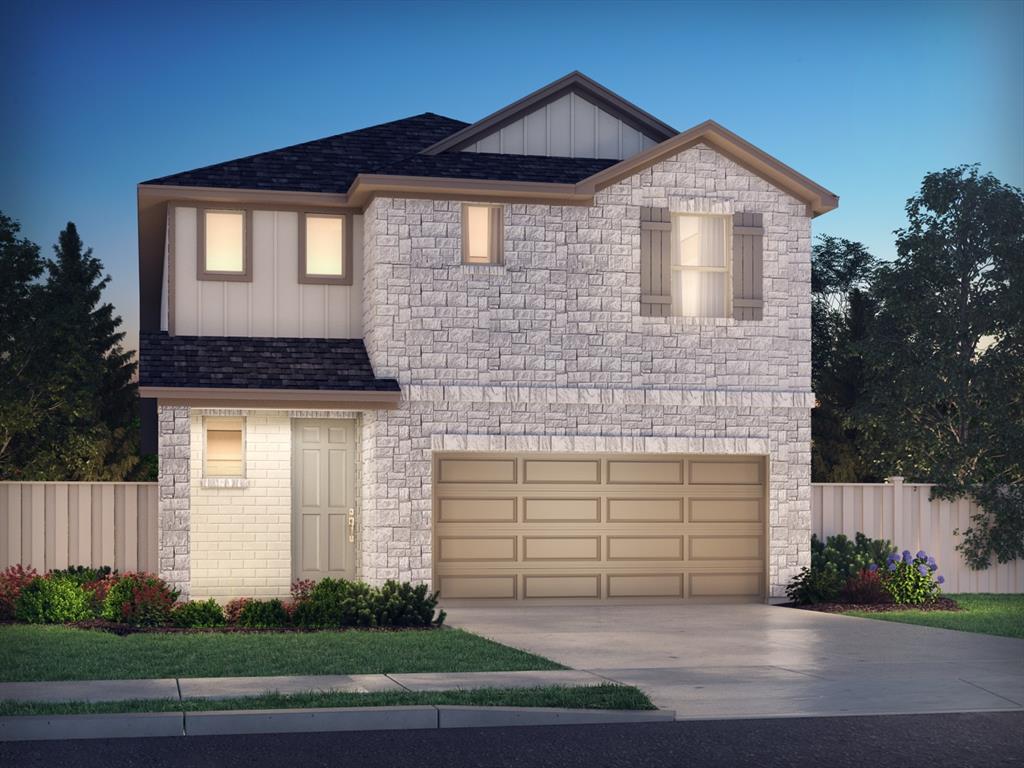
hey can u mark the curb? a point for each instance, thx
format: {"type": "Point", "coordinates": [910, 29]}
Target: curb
{"type": "Point", "coordinates": [253, 721]}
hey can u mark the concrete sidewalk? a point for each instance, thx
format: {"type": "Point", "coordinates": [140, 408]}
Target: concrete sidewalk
{"type": "Point", "coordinates": [236, 687]}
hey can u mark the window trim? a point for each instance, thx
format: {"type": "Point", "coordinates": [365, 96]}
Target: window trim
{"type": "Point", "coordinates": [346, 249]}
{"type": "Point", "coordinates": [202, 273]}
{"type": "Point", "coordinates": [206, 427]}
{"type": "Point", "coordinates": [496, 221]}
{"type": "Point", "coordinates": [674, 267]}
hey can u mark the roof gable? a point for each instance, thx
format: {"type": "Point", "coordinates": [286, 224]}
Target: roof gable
{"type": "Point", "coordinates": [526, 124]}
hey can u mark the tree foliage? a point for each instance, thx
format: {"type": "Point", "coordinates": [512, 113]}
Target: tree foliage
{"type": "Point", "coordinates": [68, 403]}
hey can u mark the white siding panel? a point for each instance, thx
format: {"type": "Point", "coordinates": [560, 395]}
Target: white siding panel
{"type": "Point", "coordinates": [559, 127]}
{"type": "Point", "coordinates": [607, 135]}
{"type": "Point", "coordinates": [211, 308]}
{"type": "Point", "coordinates": [513, 141]}
{"type": "Point", "coordinates": [537, 132]}
{"type": "Point", "coordinates": [288, 294]}
{"type": "Point", "coordinates": [186, 288]}
{"type": "Point", "coordinates": [584, 128]}
{"type": "Point", "coordinates": [631, 140]}
{"type": "Point", "coordinates": [264, 270]}
{"type": "Point", "coordinates": [236, 308]}
{"type": "Point", "coordinates": [490, 143]}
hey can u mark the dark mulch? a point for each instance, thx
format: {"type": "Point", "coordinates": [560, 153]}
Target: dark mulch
{"type": "Point", "coordinates": [102, 625]}
{"type": "Point", "coordinates": [939, 604]}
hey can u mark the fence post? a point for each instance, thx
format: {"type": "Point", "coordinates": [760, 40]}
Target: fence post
{"type": "Point", "coordinates": [897, 507]}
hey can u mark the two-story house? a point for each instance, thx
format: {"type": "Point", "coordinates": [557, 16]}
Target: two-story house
{"type": "Point", "coordinates": [563, 352]}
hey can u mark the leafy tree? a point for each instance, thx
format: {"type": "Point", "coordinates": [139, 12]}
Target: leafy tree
{"type": "Point", "coordinates": [841, 307]}
{"type": "Point", "coordinates": [945, 396]}
{"type": "Point", "coordinates": [22, 363]}
{"type": "Point", "coordinates": [74, 397]}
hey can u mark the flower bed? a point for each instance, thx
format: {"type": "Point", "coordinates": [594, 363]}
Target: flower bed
{"type": "Point", "coordinates": [127, 603]}
{"type": "Point", "coordinates": [938, 604]}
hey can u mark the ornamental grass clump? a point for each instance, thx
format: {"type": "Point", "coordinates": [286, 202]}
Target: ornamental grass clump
{"type": "Point", "coordinates": [910, 580]}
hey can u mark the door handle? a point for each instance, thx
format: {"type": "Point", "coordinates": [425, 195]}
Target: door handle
{"type": "Point", "coordinates": [351, 525]}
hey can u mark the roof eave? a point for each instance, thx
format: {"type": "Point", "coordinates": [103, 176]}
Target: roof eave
{"type": "Point", "coordinates": [227, 397]}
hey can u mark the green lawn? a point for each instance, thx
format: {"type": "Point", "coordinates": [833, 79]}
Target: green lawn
{"type": "Point", "coordinates": [61, 653]}
{"type": "Point", "coordinates": [984, 613]}
{"type": "Point", "coordinates": [605, 696]}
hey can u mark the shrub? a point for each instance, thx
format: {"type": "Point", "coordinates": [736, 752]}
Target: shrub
{"type": "Point", "coordinates": [84, 574]}
{"type": "Point", "coordinates": [13, 579]}
{"type": "Point", "coordinates": [833, 563]}
{"type": "Point", "coordinates": [53, 600]}
{"type": "Point", "coordinates": [301, 590]}
{"type": "Point", "coordinates": [263, 614]}
{"type": "Point", "coordinates": [234, 609]}
{"type": "Point", "coordinates": [206, 613]}
{"type": "Point", "coordinates": [908, 578]}
{"type": "Point", "coordinates": [865, 588]}
{"type": "Point", "coordinates": [337, 603]}
{"type": "Point", "coordinates": [139, 599]}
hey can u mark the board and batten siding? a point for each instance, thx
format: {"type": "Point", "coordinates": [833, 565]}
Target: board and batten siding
{"type": "Point", "coordinates": [567, 127]}
{"type": "Point", "coordinates": [274, 303]}
{"type": "Point", "coordinates": [57, 525]}
{"type": "Point", "coordinates": [904, 514]}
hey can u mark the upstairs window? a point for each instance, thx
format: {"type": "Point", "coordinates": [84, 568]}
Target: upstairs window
{"type": "Point", "coordinates": [482, 234]}
{"type": "Point", "coordinates": [701, 282]}
{"type": "Point", "coordinates": [324, 249]}
{"type": "Point", "coordinates": [224, 454]}
{"type": "Point", "coordinates": [223, 245]}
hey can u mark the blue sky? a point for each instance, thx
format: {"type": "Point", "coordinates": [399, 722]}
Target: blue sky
{"type": "Point", "coordinates": [865, 98]}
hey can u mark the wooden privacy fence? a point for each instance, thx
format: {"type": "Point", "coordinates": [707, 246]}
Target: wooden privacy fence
{"type": "Point", "coordinates": [55, 525]}
{"type": "Point", "coordinates": [904, 514]}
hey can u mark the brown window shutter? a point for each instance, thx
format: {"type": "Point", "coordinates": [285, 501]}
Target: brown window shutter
{"type": "Point", "coordinates": [747, 260]}
{"type": "Point", "coordinates": [655, 262]}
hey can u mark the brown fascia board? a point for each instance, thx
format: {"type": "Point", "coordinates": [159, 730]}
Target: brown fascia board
{"type": "Point", "coordinates": [367, 186]}
{"type": "Point", "coordinates": [230, 397]}
{"type": "Point", "coordinates": [574, 81]}
{"type": "Point", "coordinates": [818, 199]}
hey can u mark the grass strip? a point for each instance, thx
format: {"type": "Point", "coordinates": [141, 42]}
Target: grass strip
{"type": "Point", "coordinates": [988, 614]}
{"type": "Point", "coordinates": [603, 696]}
{"type": "Point", "coordinates": [37, 653]}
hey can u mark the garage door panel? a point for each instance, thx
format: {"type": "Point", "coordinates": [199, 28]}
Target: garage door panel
{"type": "Point", "coordinates": [645, 472]}
{"type": "Point", "coordinates": [645, 547]}
{"type": "Point", "coordinates": [725, 547]}
{"type": "Point", "coordinates": [476, 510]}
{"type": "Point", "coordinates": [477, 587]}
{"type": "Point", "coordinates": [645, 510]}
{"type": "Point", "coordinates": [539, 526]}
{"type": "Point", "coordinates": [725, 510]}
{"type": "Point", "coordinates": [562, 471]}
{"type": "Point", "coordinates": [561, 547]}
{"type": "Point", "coordinates": [725, 585]}
{"type": "Point", "coordinates": [557, 585]}
{"type": "Point", "coordinates": [480, 548]}
{"type": "Point", "coordinates": [645, 585]}
{"type": "Point", "coordinates": [554, 510]}
{"type": "Point", "coordinates": [726, 472]}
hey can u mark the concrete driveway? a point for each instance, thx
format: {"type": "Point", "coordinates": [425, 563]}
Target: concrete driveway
{"type": "Point", "coordinates": [731, 661]}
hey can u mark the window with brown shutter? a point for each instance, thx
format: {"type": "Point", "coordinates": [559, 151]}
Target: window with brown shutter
{"type": "Point", "coordinates": [655, 262]}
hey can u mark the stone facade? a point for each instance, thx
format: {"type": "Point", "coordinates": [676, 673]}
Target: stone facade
{"type": "Point", "coordinates": [549, 351]}
{"type": "Point", "coordinates": [175, 497]}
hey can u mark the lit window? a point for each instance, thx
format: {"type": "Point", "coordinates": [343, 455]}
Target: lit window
{"type": "Point", "coordinates": [482, 234]}
{"type": "Point", "coordinates": [225, 447]}
{"type": "Point", "coordinates": [700, 266]}
{"type": "Point", "coordinates": [323, 248]}
{"type": "Point", "coordinates": [224, 243]}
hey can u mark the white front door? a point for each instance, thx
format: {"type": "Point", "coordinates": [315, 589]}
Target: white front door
{"type": "Point", "coordinates": [323, 498]}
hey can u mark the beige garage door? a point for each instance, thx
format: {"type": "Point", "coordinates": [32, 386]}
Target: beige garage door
{"type": "Point", "coordinates": [602, 526]}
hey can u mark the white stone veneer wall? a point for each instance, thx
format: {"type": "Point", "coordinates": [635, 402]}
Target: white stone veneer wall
{"type": "Point", "coordinates": [549, 352]}
{"type": "Point", "coordinates": [173, 481]}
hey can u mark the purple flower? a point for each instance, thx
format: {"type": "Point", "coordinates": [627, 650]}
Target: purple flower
{"type": "Point", "coordinates": [922, 569]}
{"type": "Point", "coordinates": [892, 566]}
{"type": "Point", "coordinates": [921, 554]}
{"type": "Point", "coordinates": [906, 557]}
{"type": "Point", "coordinates": [872, 567]}
{"type": "Point", "coordinates": [893, 557]}
{"type": "Point", "coordinates": [940, 580]}
{"type": "Point", "coordinates": [932, 565]}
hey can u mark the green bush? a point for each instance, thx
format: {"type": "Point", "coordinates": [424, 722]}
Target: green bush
{"type": "Point", "coordinates": [908, 578]}
{"type": "Point", "coordinates": [338, 603]}
{"type": "Point", "coordinates": [206, 613]}
{"type": "Point", "coordinates": [834, 562]}
{"type": "Point", "coordinates": [53, 600]}
{"type": "Point", "coordinates": [84, 574]}
{"type": "Point", "coordinates": [263, 614]}
{"type": "Point", "coordinates": [139, 599]}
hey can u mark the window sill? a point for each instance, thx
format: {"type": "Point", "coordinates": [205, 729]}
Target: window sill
{"type": "Point", "coordinates": [698, 322]}
{"type": "Point", "coordinates": [224, 482]}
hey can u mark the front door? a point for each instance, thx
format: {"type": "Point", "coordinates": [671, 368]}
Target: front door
{"type": "Point", "coordinates": [323, 498]}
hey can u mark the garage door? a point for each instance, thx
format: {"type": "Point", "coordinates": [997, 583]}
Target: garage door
{"type": "Point", "coordinates": [599, 526]}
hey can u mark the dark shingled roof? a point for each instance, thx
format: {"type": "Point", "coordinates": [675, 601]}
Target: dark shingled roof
{"type": "Point", "coordinates": [331, 164]}
{"type": "Point", "coordinates": [257, 363]}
